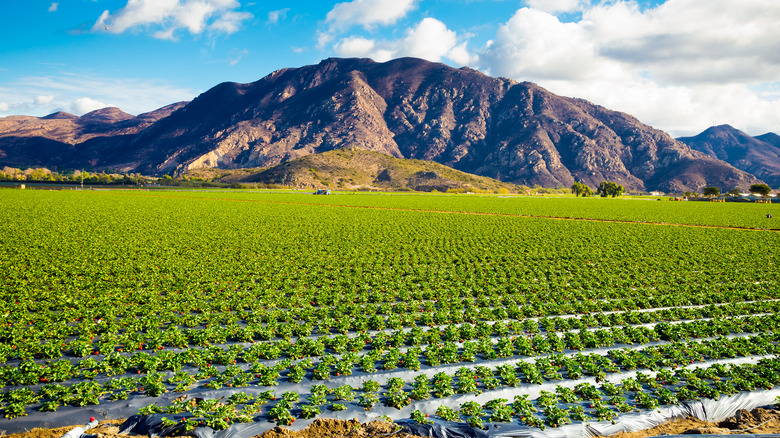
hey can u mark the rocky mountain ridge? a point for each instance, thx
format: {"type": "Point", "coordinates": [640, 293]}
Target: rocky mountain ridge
{"type": "Point", "coordinates": [405, 108]}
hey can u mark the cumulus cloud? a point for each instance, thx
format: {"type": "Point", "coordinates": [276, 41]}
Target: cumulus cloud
{"type": "Point", "coordinates": [84, 105]}
{"type": "Point", "coordinates": [165, 17]}
{"type": "Point", "coordinates": [680, 66]}
{"type": "Point", "coordinates": [4, 107]}
{"type": "Point", "coordinates": [536, 44]}
{"type": "Point", "coordinates": [696, 40]}
{"type": "Point", "coordinates": [368, 13]}
{"type": "Point", "coordinates": [53, 7]}
{"type": "Point", "coordinates": [275, 16]}
{"type": "Point", "coordinates": [43, 100]}
{"type": "Point", "coordinates": [430, 39]}
{"type": "Point", "coordinates": [365, 13]}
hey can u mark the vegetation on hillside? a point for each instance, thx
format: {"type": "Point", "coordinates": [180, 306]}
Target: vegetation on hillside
{"type": "Point", "coordinates": [359, 169]}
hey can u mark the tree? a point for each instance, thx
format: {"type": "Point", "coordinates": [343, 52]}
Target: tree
{"type": "Point", "coordinates": [580, 189]}
{"type": "Point", "coordinates": [609, 188]}
{"type": "Point", "coordinates": [587, 192]}
{"type": "Point", "coordinates": [711, 191]}
{"type": "Point", "coordinates": [760, 189]}
{"type": "Point", "coordinates": [734, 192]}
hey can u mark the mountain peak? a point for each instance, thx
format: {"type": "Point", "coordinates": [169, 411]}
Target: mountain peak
{"type": "Point", "coordinates": [105, 115]}
{"type": "Point", "coordinates": [60, 115]}
{"type": "Point", "coordinates": [757, 155]}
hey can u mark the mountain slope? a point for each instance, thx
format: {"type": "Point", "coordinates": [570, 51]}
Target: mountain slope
{"type": "Point", "coordinates": [757, 155]}
{"type": "Point", "coordinates": [410, 108]}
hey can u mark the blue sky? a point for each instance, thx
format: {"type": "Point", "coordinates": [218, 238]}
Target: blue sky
{"type": "Point", "coordinates": [678, 65]}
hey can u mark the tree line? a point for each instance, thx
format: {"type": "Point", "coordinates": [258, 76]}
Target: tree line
{"type": "Point", "coordinates": [609, 188]}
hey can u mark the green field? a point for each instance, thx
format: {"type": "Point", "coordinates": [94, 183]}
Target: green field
{"type": "Point", "coordinates": [119, 294]}
{"type": "Point", "coordinates": [743, 215]}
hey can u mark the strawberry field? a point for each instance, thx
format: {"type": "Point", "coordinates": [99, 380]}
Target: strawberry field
{"type": "Point", "coordinates": [218, 308]}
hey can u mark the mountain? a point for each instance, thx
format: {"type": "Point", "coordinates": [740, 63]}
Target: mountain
{"type": "Point", "coordinates": [407, 108]}
{"type": "Point", "coordinates": [353, 168]}
{"type": "Point", "coordinates": [770, 138]}
{"type": "Point", "coordinates": [65, 140]}
{"type": "Point", "coordinates": [757, 155]}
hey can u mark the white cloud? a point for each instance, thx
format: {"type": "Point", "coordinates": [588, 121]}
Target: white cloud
{"type": "Point", "coordinates": [536, 44]}
{"type": "Point", "coordinates": [42, 95]}
{"type": "Point", "coordinates": [44, 100]}
{"type": "Point", "coordinates": [53, 7]}
{"type": "Point", "coordinates": [275, 16]}
{"type": "Point", "coordinates": [168, 16]}
{"type": "Point", "coordinates": [695, 40]}
{"type": "Point", "coordinates": [356, 47]}
{"type": "Point", "coordinates": [365, 13]}
{"type": "Point", "coordinates": [368, 13]}
{"type": "Point", "coordinates": [4, 107]}
{"type": "Point", "coordinates": [680, 66]}
{"type": "Point", "coordinates": [235, 56]}
{"type": "Point", "coordinates": [84, 105]}
{"type": "Point", "coordinates": [460, 55]}
{"type": "Point", "coordinates": [553, 6]}
{"type": "Point", "coordinates": [230, 22]}
{"type": "Point", "coordinates": [430, 39]}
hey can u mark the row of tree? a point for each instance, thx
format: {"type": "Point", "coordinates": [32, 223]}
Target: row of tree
{"type": "Point", "coordinates": [756, 189]}
{"type": "Point", "coordinates": [609, 188]}
{"type": "Point", "coordinates": [76, 177]}
{"type": "Point", "coordinates": [606, 188]}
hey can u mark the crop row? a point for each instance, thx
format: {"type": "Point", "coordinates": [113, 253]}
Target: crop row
{"type": "Point", "coordinates": [102, 336]}
{"type": "Point", "coordinates": [442, 347]}
{"type": "Point", "coordinates": [582, 402]}
{"type": "Point", "coordinates": [555, 367]}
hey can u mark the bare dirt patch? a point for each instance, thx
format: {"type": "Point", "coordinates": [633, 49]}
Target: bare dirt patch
{"type": "Point", "coordinates": [327, 428]}
{"type": "Point", "coordinates": [759, 420]}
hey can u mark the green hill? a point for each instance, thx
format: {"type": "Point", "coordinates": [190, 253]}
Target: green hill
{"type": "Point", "coordinates": [358, 169]}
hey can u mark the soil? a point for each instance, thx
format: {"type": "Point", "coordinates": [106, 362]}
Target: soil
{"type": "Point", "coordinates": [321, 428]}
{"type": "Point", "coordinates": [327, 428]}
{"type": "Point", "coordinates": [759, 420]}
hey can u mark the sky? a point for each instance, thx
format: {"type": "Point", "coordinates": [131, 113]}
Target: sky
{"type": "Point", "coordinates": [677, 65]}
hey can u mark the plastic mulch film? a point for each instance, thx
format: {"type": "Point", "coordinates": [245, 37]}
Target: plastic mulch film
{"type": "Point", "coordinates": [705, 410]}
{"type": "Point", "coordinates": [152, 426]}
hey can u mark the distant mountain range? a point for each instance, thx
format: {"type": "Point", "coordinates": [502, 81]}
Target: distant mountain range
{"type": "Point", "coordinates": [405, 108]}
{"type": "Point", "coordinates": [757, 155]}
